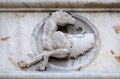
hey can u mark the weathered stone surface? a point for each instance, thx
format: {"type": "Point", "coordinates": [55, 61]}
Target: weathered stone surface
{"type": "Point", "coordinates": [18, 27]}
{"type": "Point", "coordinates": [63, 35]}
{"type": "Point", "coordinates": [60, 3]}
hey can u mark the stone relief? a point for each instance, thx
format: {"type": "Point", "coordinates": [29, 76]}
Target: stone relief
{"type": "Point", "coordinates": [59, 37]}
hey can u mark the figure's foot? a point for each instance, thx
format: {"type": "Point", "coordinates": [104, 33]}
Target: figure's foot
{"type": "Point", "coordinates": [23, 64]}
{"type": "Point", "coordinates": [41, 68]}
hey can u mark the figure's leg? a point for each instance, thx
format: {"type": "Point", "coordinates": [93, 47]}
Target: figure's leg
{"type": "Point", "coordinates": [42, 66]}
{"type": "Point", "coordinates": [61, 52]}
{"type": "Point", "coordinates": [28, 63]}
{"type": "Point", "coordinates": [45, 56]}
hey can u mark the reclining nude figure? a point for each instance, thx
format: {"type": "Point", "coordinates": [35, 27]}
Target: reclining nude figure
{"type": "Point", "coordinates": [58, 44]}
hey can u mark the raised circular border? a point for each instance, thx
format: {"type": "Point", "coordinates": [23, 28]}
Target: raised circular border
{"type": "Point", "coordinates": [38, 40]}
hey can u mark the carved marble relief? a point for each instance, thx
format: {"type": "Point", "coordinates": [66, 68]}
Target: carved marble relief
{"type": "Point", "coordinates": [63, 41]}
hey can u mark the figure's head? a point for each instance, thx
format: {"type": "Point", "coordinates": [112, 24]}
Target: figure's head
{"type": "Point", "coordinates": [63, 18]}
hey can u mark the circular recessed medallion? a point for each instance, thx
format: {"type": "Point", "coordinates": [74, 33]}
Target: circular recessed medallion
{"type": "Point", "coordinates": [82, 26]}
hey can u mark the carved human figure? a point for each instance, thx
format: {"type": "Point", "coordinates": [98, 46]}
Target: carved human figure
{"type": "Point", "coordinates": [58, 44]}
